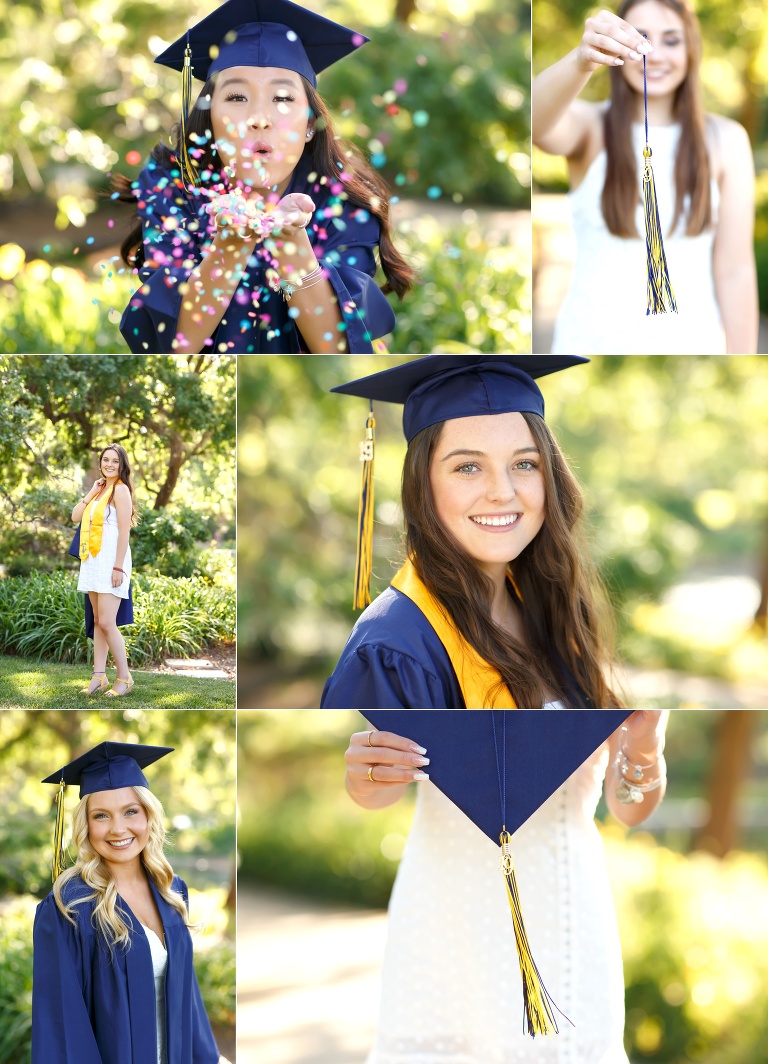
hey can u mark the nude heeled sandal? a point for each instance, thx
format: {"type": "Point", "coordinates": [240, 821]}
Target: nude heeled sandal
{"type": "Point", "coordinates": [103, 685]}
{"type": "Point", "coordinates": [119, 694]}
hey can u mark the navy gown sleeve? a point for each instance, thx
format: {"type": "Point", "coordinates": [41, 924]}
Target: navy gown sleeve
{"type": "Point", "coordinates": [393, 660]}
{"type": "Point", "coordinates": [174, 234]}
{"type": "Point", "coordinates": [344, 245]}
{"type": "Point", "coordinates": [61, 1026]}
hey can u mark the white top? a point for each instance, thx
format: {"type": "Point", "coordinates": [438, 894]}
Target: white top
{"type": "Point", "coordinates": [604, 310]}
{"type": "Point", "coordinates": [159, 967]}
{"type": "Point", "coordinates": [451, 987]}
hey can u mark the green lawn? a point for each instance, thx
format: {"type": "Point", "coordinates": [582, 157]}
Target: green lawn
{"type": "Point", "coordinates": [27, 684]}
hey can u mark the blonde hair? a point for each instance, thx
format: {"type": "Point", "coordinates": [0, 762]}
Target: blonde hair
{"type": "Point", "coordinates": [94, 872]}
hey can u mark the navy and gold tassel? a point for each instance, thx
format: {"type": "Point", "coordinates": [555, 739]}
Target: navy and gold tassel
{"type": "Point", "coordinates": [661, 298]}
{"type": "Point", "coordinates": [364, 560]}
{"type": "Point", "coordinates": [539, 1006]}
{"type": "Point", "coordinates": [57, 866]}
{"type": "Point", "coordinates": [189, 174]}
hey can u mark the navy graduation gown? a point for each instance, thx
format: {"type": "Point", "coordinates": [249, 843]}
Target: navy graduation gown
{"type": "Point", "coordinates": [90, 1007]}
{"type": "Point", "coordinates": [176, 228]}
{"type": "Point", "coordinates": [393, 660]}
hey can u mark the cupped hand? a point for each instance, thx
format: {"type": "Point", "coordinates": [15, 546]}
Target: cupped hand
{"type": "Point", "coordinates": [295, 210]}
{"type": "Point", "coordinates": [117, 578]}
{"type": "Point", "coordinates": [391, 758]}
{"type": "Point", "coordinates": [610, 41]}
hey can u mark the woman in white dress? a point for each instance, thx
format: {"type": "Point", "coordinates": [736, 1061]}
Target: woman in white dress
{"type": "Point", "coordinates": [451, 986]}
{"type": "Point", "coordinates": [107, 514]}
{"type": "Point", "coordinates": [704, 176]}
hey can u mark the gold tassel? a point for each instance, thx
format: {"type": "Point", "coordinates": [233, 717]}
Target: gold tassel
{"type": "Point", "coordinates": [661, 298]}
{"type": "Point", "coordinates": [539, 1006]}
{"type": "Point", "coordinates": [364, 561]}
{"type": "Point", "coordinates": [189, 175]}
{"type": "Point", "coordinates": [57, 866]}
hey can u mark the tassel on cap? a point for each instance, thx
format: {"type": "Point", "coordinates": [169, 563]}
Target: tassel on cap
{"type": "Point", "coordinates": [189, 174]}
{"type": "Point", "coordinates": [539, 1006]}
{"type": "Point", "coordinates": [57, 866]}
{"type": "Point", "coordinates": [364, 560]}
{"type": "Point", "coordinates": [661, 298]}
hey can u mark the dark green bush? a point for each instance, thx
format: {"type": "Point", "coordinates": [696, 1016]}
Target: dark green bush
{"type": "Point", "coordinates": [16, 980]}
{"type": "Point", "coordinates": [168, 540]}
{"type": "Point", "coordinates": [41, 616]}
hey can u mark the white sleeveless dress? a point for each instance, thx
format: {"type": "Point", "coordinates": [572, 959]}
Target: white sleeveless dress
{"type": "Point", "coordinates": [159, 967]}
{"type": "Point", "coordinates": [604, 310]}
{"type": "Point", "coordinates": [96, 572]}
{"type": "Point", "coordinates": [451, 988]}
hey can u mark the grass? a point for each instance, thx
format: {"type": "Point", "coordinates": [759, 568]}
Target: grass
{"type": "Point", "coordinates": [28, 684]}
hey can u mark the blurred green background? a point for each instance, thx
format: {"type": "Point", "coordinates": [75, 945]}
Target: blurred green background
{"type": "Point", "coordinates": [734, 77]}
{"type": "Point", "coordinates": [690, 884]}
{"type": "Point", "coordinates": [439, 102]}
{"type": "Point", "coordinates": [196, 785]}
{"type": "Point", "coordinates": [175, 415]}
{"type": "Point", "coordinates": [673, 457]}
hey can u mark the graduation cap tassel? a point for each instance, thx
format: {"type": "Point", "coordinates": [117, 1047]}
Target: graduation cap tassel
{"type": "Point", "coordinates": [188, 170]}
{"type": "Point", "coordinates": [364, 561]}
{"type": "Point", "coordinates": [539, 1006]}
{"type": "Point", "coordinates": [661, 298]}
{"type": "Point", "coordinates": [57, 866]}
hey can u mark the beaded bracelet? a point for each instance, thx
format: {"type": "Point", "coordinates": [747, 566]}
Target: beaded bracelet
{"type": "Point", "coordinates": [633, 790]}
{"type": "Point", "coordinates": [117, 569]}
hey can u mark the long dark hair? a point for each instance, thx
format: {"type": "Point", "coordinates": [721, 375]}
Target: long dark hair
{"type": "Point", "coordinates": [364, 187]}
{"type": "Point", "coordinates": [566, 611]}
{"type": "Point", "coordinates": [124, 473]}
{"type": "Point", "coordinates": [692, 167]}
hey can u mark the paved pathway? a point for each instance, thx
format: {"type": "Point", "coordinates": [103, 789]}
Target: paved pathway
{"type": "Point", "coordinates": [307, 980]}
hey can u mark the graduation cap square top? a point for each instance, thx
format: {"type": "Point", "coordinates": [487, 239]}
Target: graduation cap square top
{"type": "Point", "coordinates": [442, 387]}
{"type": "Point", "coordinates": [263, 33]}
{"type": "Point", "coordinates": [109, 766]}
{"type": "Point", "coordinates": [538, 750]}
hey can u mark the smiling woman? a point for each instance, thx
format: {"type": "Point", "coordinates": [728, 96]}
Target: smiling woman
{"type": "Point", "coordinates": [497, 603]}
{"type": "Point", "coordinates": [113, 977]}
{"type": "Point", "coordinates": [259, 231]}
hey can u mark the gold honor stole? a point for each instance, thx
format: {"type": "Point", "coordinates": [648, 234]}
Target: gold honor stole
{"type": "Point", "coordinates": [476, 677]}
{"type": "Point", "coordinates": [92, 524]}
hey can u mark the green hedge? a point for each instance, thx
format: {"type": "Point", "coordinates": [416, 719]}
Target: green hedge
{"type": "Point", "coordinates": [41, 616]}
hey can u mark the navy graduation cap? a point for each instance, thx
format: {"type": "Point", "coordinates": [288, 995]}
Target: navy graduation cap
{"type": "Point", "coordinates": [498, 767]}
{"type": "Point", "coordinates": [262, 33]}
{"type": "Point", "coordinates": [109, 766]}
{"type": "Point", "coordinates": [439, 388]}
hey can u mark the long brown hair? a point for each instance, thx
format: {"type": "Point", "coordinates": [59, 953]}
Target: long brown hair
{"type": "Point", "coordinates": [124, 473]}
{"type": "Point", "coordinates": [567, 620]}
{"type": "Point", "coordinates": [692, 166]}
{"type": "Point", "coordinates": [363, 186]}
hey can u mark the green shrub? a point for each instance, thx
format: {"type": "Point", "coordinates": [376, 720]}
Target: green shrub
{"type": "Point", "coordinates": [41, 616]}
{"type": "Point", "coordinates": [215, 968]}
{"type": "Point", "coordinates": [761, 240]}
{"type": "Point", "coordinates": [16, 980]}
{"type": "Point", "coordinates": [168, 540]}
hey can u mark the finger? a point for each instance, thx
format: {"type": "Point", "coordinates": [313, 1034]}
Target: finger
{"type": "Point", "coordinates": [387, 739]}
{"type": "Point", "coordinates": [386, 774]}
{"type": "Point", "coordinates": [592, 55]}
{"type": "Point", "coordinates": [363, 755]}
{"type": "Point", "coordinates": [616, 29]}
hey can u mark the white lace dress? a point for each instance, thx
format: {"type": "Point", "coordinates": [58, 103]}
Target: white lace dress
{"type": "Point", "coordinates": [96, 572]}
{"type": "Point", "coordinates": [604, 310]}
{"type": "Point", "coordinates": [451, 989]}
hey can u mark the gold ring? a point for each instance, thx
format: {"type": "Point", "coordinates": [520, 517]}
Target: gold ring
{"type": "Point", "coordinates": [370, 733]}
{"type": "Point", "coordinates": [370, 774]}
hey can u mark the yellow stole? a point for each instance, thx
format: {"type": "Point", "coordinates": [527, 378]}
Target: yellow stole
{"type": "Point", "coordinates": [92, 523]}
{"type": "Point", "coordinates": [476, 677]}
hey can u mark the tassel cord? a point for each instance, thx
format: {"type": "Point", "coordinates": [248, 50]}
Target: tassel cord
{"type": "Point", "coordinates": [57, 866]}
{"type": "Point", "coordinates": [660, 296]}
{"type": "Point", "coordinates": [189, 173]}
{"type": "Point", "coordinates": [364, 557]}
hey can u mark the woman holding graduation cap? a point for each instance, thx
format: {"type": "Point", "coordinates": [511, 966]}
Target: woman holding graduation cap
{"type": "Point", "coordinates": [261, 226]}
{"type": "Point", "coordinates": [703, 173]}
{"type": "Point", "coordinates": [113, 978]}
{"type": "Point", "coordinates": [497, 603]}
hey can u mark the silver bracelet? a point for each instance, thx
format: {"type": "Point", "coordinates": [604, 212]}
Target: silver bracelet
{"type": "Point", "coordinates": [288, 288]}
{"type": "Point", "coordinates": [634, 789]}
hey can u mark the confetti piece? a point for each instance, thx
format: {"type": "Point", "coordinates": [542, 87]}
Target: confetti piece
{"type": "Point", "coordinates": [422, 60]}
{"type": "Point", "coordinates": [400, 86]}
{"type": "Point", "coordinates": [420, 118]}
{"type": "Point", "coordinates": [111, 223]}
{"type": "Point", "coordinates": [133, 157]}
{"type": "Point", "coordinates": [357, 40]}
{"type": "Point", "coordinates": [90, 240]}
{"type": "Point", "coordinates": [46, 247]}
{"type": "Point", "coordinates": [378, 159]}
{"type": "Point", "coordinates": [291, 36]}
{"type": "Point", "coordinates": [434, 192]}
